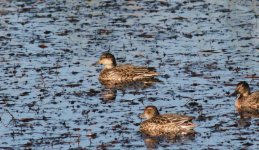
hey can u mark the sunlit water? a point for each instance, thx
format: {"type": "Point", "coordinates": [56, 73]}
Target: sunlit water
{"type": "Point", "coordinates": [50, 96]}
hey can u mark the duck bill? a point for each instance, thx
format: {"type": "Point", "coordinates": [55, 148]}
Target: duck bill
{"type": "Point", "coordinates": [96, 63]}
{"type": "Point", "coordinates": [141, 116]}
{"type": "Point", "coordinates": [233, 94]}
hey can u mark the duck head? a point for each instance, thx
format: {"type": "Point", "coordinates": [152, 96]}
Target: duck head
{"type": "Point", "coordinates": [149, 112]}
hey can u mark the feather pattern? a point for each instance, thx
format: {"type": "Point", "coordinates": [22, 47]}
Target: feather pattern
{"type": "Point", "coordinates": [122, 73]}
{"type": "Point", "coordinates": [127, 73]}
{"type": "Point", "coordinates": [173, 124]}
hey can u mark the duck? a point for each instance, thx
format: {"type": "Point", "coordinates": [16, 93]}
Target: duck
{"type": "Point", "coordinates": [246, 99]}
{"type": "Point", "coordinates": [124, 72]}
{"type": "Point", "coordinates": [165, 124]}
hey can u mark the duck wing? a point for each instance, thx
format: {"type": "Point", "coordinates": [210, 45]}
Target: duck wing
{"type": "Point", "coordinates": [130, 72]}
{"type": "Point", "coordinates": [173, 119]}
{"type": "Point", "coordinates": [253, 100]}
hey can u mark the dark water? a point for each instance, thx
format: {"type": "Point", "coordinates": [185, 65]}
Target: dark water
{"type": "Point", "coordinates": [50, 96]}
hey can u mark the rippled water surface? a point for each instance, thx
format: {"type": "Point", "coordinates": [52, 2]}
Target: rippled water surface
{"type": "Point", "coordinates": [50, 96]}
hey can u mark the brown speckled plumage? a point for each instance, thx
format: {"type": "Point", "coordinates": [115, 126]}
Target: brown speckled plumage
{"type": "Point", "coordinates": [159, 125]}
{"type": "Point", "coordinates": [246, 98]}
{"type": "Point", "coordinates": [122, 73]}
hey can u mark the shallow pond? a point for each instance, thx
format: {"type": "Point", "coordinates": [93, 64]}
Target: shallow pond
{"type": "Point", "coordinates": [50, 96]}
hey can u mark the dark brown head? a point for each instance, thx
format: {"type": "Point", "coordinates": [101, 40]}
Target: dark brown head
{"type": "Point", "coordinates": [149, 112]}
{"type": "Point", "coordinates": [108, 60]}
{"type": "Point", "coordinates": [242, 88]}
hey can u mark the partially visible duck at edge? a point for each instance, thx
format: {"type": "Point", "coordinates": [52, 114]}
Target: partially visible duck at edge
{"type": "Point", "coordinates": [166, 124]}
{"type": "Point", "coordinates": [122, 73]}
{"type": "Point", "coordinates": [245, 98]}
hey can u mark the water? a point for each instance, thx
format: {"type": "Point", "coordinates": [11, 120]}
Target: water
{"type": "Point", "coordinates": [51, 98]}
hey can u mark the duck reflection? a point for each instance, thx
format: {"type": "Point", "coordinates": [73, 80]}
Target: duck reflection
{"type": "Point", "coordinates": [154, 142]}
{"type": "Point", "coordinates": [248, 113]}
{"type": "Point", "coordinates": [108, 95]}
{"type": "Point", "coordinates": [245, 116]}
{"type": "Point", "coordinates": [110, 89]}
{"type": "Point", "coordinates": [244, 122]}
{"type": "Point", "coordinates": [151, 143]}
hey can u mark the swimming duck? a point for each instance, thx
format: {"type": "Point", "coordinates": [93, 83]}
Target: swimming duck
{"type": "Point", "coordinates": [245, 98]}
{"type": "Point", "coordinates": [166, 124]}
{"type": "Point", "coordinates": [122, 73]}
